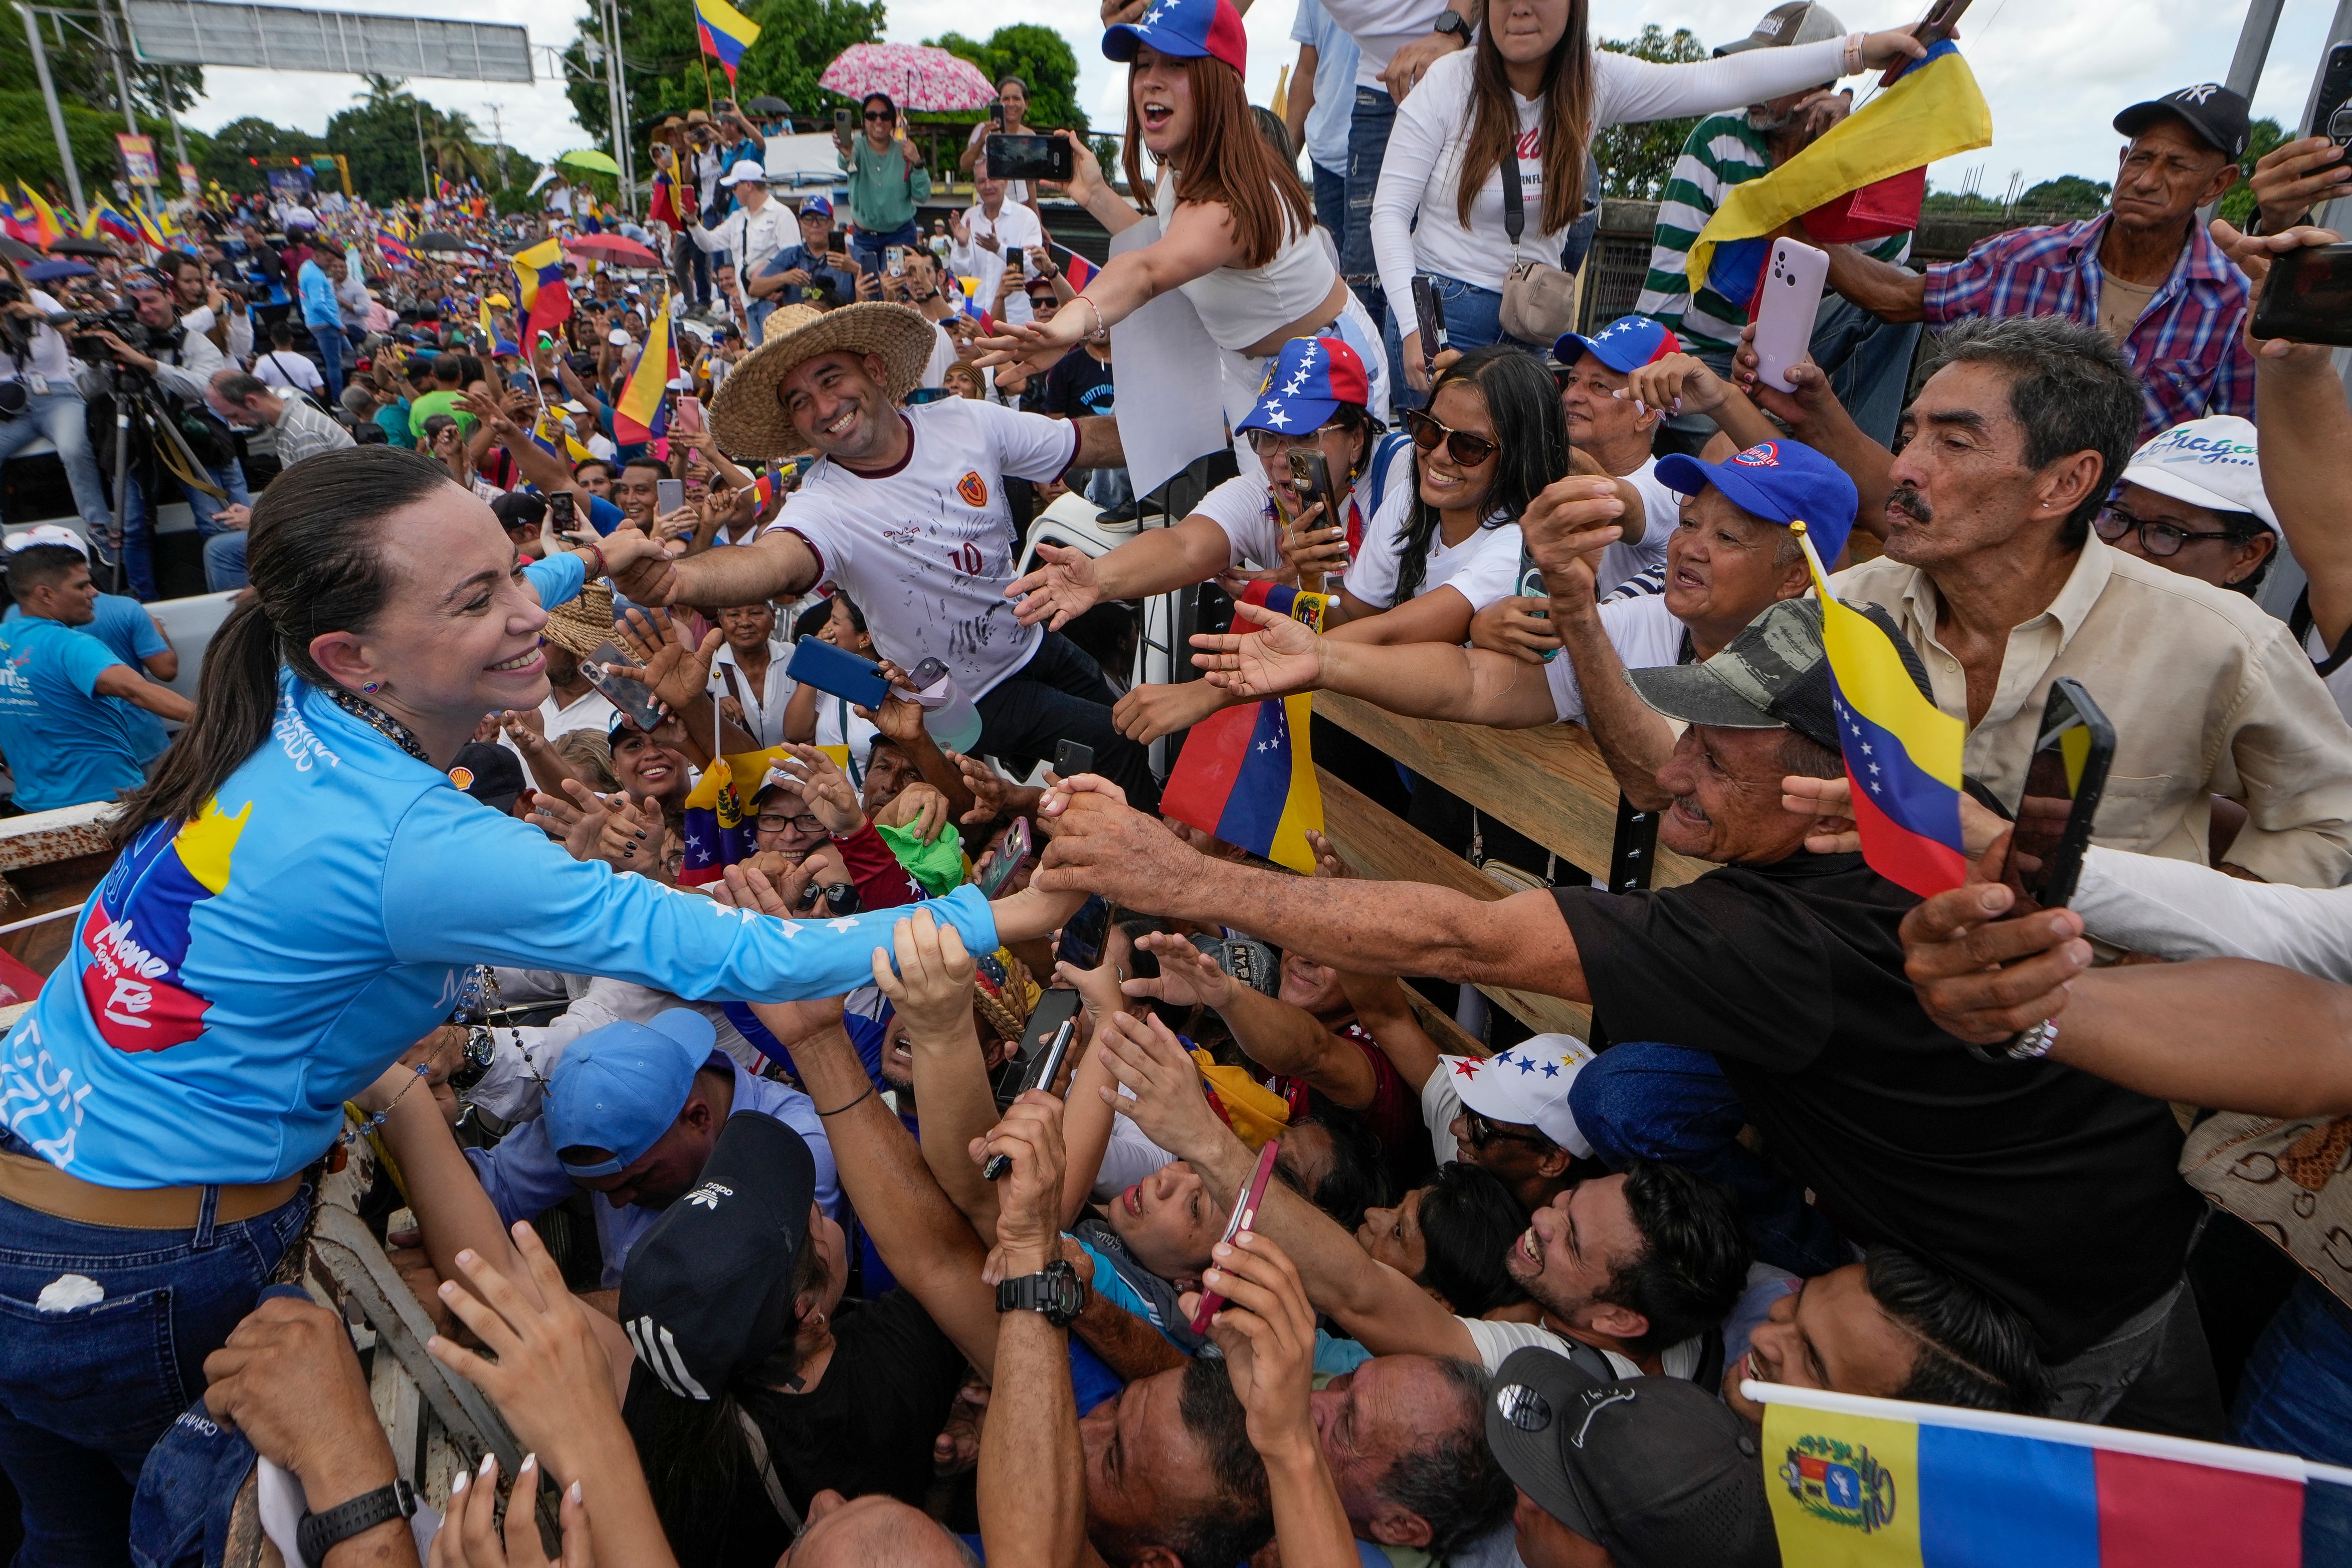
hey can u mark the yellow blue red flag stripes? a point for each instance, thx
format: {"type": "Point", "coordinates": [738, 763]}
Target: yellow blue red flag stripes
{"type": "Point", "coordinates": [641, 414]}
{"type": "Point", "coordinates": [1881, 1483]}
{"type": "Point", "coordinates": [725, 33]}
{"type": "Point", "coordinates": [1933, 110]}
{"type": "Point", "coordinates": [1902, 751]}
{"type": "Point", "coordinates": [1307, 609]}
{"type": "Point", "coordinates": [1247, 775]}
{"type": "Point", "coordinates": [539, 285]}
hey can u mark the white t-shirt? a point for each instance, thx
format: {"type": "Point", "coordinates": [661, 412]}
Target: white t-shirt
{"type": "Point", "coordinates": [944, 354]}
{"type": "Point", "coordinates": [1483, 568]}
{"type": "Point", "coordinates": [1381, 27]}
{"type": "Point", "coordinates": [1645, 635]}
{"type": "Point", "coordinates": [285, 369]}
{"type": "Point", "coordinates": [1496, 1342]}
{"type": "Point", "coordinates": [1243, 507]}
{"type": "Point", "coordinates": [48, 356]}
{"type": "Point", "coordinates": [1661, 510]}
{"type": "Point", "coordinates": [837, 724]}
{"type": "Point", "coordinates": [927, 549]}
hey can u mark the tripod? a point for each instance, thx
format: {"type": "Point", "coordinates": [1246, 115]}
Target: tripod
{"type": "Point", "coordinates": [131, 389]}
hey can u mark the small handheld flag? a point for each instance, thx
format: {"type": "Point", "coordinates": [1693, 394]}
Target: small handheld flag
{"type": "Point", "coordinates": [539, 285]}
{"type": "Point", "coordinates": [1078, 271]}
{"type": "Point", "coordinates": [1247, 775]}
{"type": "Point", "coordinates": [641, 414]}
{"type": "Point", "coordinates": [1902, 751]}
{"type": "Point", "coordinates": [1307, 609]}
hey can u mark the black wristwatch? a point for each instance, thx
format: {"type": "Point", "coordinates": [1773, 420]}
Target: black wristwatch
{"type": "Point", "coordinates": [1057, 1291]}
{"type": "Point", "coordinates": [320, 1532]}
{"type": "Point", "coordinates": [1452, 21]}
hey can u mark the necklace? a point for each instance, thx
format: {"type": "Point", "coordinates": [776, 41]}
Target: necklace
{"type": "Point", "coordinates": [382, 723]}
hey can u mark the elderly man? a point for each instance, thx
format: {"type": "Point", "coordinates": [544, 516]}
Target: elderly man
{"type": "Point", "coordinates": [991, 234]}
{"type": "Point", "coordinates": [301, 431]}
{"type": "Point", "coordinates": [2049, 1190]}
{"type": "Point", "coordinates": [2143, 273]}
{"type": "Point", "coordinates": [751, 235]}
{"type": "Point", "coordinates": [1994, 573]}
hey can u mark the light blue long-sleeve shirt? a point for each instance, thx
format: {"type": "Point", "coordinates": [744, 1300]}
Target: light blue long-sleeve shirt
{"type": "Point", "coordinates": [319, 305]}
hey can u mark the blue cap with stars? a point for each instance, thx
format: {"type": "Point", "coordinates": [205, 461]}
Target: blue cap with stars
{"type": "Point", "coordinates": [1309, 379]}
{"type": "Point", "coordinates": [1525, 1086]}
{"type": "Point", "coordinates": [1624, 345]}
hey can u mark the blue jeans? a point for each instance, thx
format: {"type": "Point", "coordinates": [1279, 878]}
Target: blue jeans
{"type": "Point", "coordinates": [1367, 144]}
{"type": "Point", "coordinates": [331, 343]}
{"type": "Point", "coordinates": [85, 1393]}
{"type": "Point", "coordinates": [60, 415]}
{"type": "Point", "coordinates": [698, 272]}
{"type": "Point", "coordinates": [1060, 695]}
{"type": "Point", "coordinates": [866, 247]}
{"type": "Point", "coordinates": [225, 561]}
{"type": "Point", "coordinates": [1637, 1100]}
{"type": "Point", "coordinates": [1330, 199]}
{"type": "Point", "coordinates": [1474, 317]}
{"type": "Point", "coordinates": [139, 526]}
{"type": "Point", "coordinates": [2292, 1399]}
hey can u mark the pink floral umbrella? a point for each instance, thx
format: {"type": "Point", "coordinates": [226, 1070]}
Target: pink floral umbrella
{"type": "Point", "coordinates": [915, 76]}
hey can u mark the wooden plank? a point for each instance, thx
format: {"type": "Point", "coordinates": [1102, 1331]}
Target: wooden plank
{"type": "Point", "coordinates": [1439, 1025]}
{"type": "Point", "coordinates": [1381, 844]}
{"type": "Point", "coordinates": [43, 838]}
{"type": "Point", "coordinates": [1549, 782]}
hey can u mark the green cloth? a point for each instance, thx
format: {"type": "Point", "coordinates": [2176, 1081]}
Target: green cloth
{"type": "Point", "coordinates": [937, 867]}
{"type": "Point", "coordinates": [882, 194]}
{"type": "Point", "coordinates": [432, 403]}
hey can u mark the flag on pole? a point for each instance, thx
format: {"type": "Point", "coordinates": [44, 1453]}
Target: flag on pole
{"type": "Point", "coordinates": [1247, 775]}
{"type": "Point", "coordinates": [395, 251]}
{"type": "Point", "coordinates": [538, 284]}
{"type": "Point", "coordinates": [725, 33]}
{"type": "Point", "coordinates": [105, 220]}
{"type": "Point", "coordinates": [46, 227]}
{"type": "Point", "coordinates": [642, 414]}
{"type": "Point", "coordinates": [1902, 751]}
{"type": "Point", "coordinates": [1856, 1482]}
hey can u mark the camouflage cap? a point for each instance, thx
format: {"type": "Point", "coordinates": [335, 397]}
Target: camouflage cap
{"type": "Point", "coordinates": [1772, 676]}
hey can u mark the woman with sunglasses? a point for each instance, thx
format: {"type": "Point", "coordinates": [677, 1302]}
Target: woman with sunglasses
{"type": "Point", "coordinates": [886, 182]}
{"type": "Point", "coordinates": [1236, 231]}
{"type": "Point", "coordinates": [1532, 85]}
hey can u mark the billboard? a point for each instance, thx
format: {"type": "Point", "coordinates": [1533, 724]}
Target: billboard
{"type": "Point", "coordinates": [288, 39]}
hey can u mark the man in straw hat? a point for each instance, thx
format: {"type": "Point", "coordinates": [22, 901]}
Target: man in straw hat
{"type": "Point", "coordinates": [905, 511]}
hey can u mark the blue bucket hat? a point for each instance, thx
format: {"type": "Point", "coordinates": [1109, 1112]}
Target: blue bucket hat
{"type": "Point", "coordinates": [619, 1088]}
{"type": "Point", "coordinates": [1781, 481]}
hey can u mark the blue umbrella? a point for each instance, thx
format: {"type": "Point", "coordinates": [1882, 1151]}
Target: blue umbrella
{"type": "Point", "coordinates": [63, 267]}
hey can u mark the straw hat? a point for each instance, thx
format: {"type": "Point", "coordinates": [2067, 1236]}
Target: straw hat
{"type": "Point", "coordinates": [582, 624]}
{"type": "Point", "coordinates": [747, 416]}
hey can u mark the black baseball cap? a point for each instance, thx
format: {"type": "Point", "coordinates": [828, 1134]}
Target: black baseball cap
{"type": "Point", "coordinates": [707, 1294]}
{"type": "Point", "coordinates": [2218, 115]}
{"type": "Point", "coordinates": [490, 773]}
{"type": "Point", "coordinates": [1653, 1469]}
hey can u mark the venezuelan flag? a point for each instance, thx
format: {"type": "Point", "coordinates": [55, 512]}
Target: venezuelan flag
{"type": "Point", "coordinates": [1881, 1483]}
{"type": "Point", "coordinates": [1870, 166]}
{"type": "Point", "coordinates": [1307, 609]}
{"type": "Point", "coordinates": [539, 285]}
{"type": "Point", "coordinates": [724, 32]}
{"type": "Point", "coordinates": [105, 220]}
{"type": "Point", "coordinates": [719, 830]}
{"type": "Point", "coordinates": [1902, 751]}
{"type": "Point", "coordinates": [1078, 271]}
{"type": "Point", "coordinates": [642, 414]}
{"type": "Point", "coordinates": [395, 251]}
{"type": "Point", "coordinates": [47, 230]}
{"type": "Point", "coordinates": [1247, 775]}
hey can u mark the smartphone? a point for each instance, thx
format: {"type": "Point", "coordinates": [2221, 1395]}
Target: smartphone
{"type": "Point", "coordinates": [689, 416]}
{"type": "Point", "coordinates": [2307, 297]}
{"type": "Point", "coordinates": [996, 116]}
{"type": "Point", "coordinates": [1030, 158]}
{"type": "Point", "coordinates": [668, 496]}
{"type": "Point", "coordinates": [2063, 786]}
{"type": "Point", "coordinates": [1310, 484]}
{"type": "Point", "coordinates": [894, 259]}
{"type": "Point", "coordinates": [1084, 933]}
{"type": "Point", "coordinates": [1788, 302]}
{"type": "Point", "coordinates": [837, 242]}
{"type": "Point", "coordinates": [1430, 311]}
{"type": "Point", "coordinates": [1244, 1216]}
{"type": "Point", "coordinates": [633, 697]}
{"type": "Point", "coordinates": [1046, 1043]}
{"type": "Point", "coordinates": [1942, 17]}
{"type": "Point", "coordinates": [1531, 586]}
{"type": "Point", "coordinates": [2331, 115]}
{"type": "Point", "coordinates": [841, 123]}
{"type": "Point", "coordinates": [560, 512]}
{"type": "Point", "coordinates": [843, 675]}
{"type": "Point", "coordinates": [1015, 849]}
{"type": "Point", "coordinates": [1072, 758]}
{"type": "Point", "coordinates": [922, 395]}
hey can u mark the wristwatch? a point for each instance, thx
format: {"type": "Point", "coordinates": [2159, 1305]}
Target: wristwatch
{"type": "Point", "coordinates": [320, 1532]}
{"type": "Point", "coordinates": [1452, 21]}
{"type": "Point", "coordinates": [2025, 1045]}
{"type": "Point", "coordinates": [1057, 1291]}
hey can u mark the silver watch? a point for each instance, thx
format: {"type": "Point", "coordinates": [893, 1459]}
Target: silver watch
{"type": "Point", "coordinates": [2033, 1043]}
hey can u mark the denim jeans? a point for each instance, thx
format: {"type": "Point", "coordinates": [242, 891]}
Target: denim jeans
{"type": "Point", "coordinates": [1368, 145]}
{"type": "Point", "coordinates": [1060, 695]}
{"type": "Point", "coordinates": [866, 247]}
{"type": "Point", "coordinates": [138, 525]}
{"type": "Point", "coordinates": [85, 1393]}
{"type": "Point", "coordinates": [225, 561]}
{"type": "Point", "coordinates": [1638, 1101]}
{"type": "Point", "coordinates": [1330, 199]}
{"type": "Point", "coordinates": [60, 415]}
{"type": "Point", "coordinates": [331, 344]}
{"type": "Point", "coordinates": [2292, 1400]}
{"type": "Point", "coordinates": [1474, 317]}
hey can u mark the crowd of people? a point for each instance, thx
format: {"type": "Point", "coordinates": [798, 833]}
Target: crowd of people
{"type": "Point", "coordinates": [667, 829]}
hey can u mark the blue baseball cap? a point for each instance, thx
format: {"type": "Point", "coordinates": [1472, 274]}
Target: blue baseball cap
{"type": "Point", "coordinates": [1624, 345]}
{"type": "Point", "coordinates": [620, 1086]}
{"type": "Point", "coordinates": [1779, 481]}
{"type": "Point", "coordinates": [1185, 30]}
{"type": "Point", "coordinates": [1308, 381]}
{"type": "Point", "coordinates": [819, 203]}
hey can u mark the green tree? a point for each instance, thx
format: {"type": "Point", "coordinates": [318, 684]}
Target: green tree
{"type": "Point", "coordinates": [237, 153]}
{"type": "Point", "coordinates": [2261, 138]}
{"type": "Point", "coordinates": [1040, 56]}
{"type": "Point", "coordinates": [2068, 195]}
{"type": "Point", "coordinates": [1637, 160]}
{"type": "Point", "coordinates": [663, 59]}
{"type": "Point", "coordinates": [378, 137]}
{"type": "Point", "coordinates": [85, 77]}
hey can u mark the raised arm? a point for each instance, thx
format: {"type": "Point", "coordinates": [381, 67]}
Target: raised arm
{"type": "Point", "coordinates": [932, 994]}
{"type": "Point", "coordinates": [1069, 582]}
{"type": "Point", "coordinates": [1419, 679]}
{"type": "Point", "coordinates": [1891, 293]}
{"type": "Point", "coordinates": [776, 565]}
{"type": "Point", "coordinates": [121, 680]}
{"type": "Point", "coordinates": [1276, 1036]}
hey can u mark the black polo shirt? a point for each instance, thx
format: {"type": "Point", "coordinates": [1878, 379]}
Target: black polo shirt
{"type": "Point", "coordinates": [2052, 1189]}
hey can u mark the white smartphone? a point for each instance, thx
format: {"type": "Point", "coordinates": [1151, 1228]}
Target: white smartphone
{"type": "Point", "coordinates": [1784, 316]}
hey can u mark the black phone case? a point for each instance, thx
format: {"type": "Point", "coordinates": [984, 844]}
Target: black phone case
{"type": "Point", "coordinates": [2066, 861]}
{"type": "Point", "coordinates": [1045, 1020]}
{"type": "Point", "coordinates": [2303, 309]}
{"type": "Point", "coordinates": [2335, 89]}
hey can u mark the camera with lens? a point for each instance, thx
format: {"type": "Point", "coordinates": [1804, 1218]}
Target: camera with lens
{"type": "Point", "coordinates": [122, 322]}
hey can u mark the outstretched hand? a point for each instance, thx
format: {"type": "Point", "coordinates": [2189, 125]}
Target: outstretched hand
{"type": "Point", "coordinates": [1064, 587]}
{"type": "Point", "coordinates": [1280, 656]}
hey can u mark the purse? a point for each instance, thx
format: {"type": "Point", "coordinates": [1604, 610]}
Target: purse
{"type": "Point", "coordinates": [1538, 299]}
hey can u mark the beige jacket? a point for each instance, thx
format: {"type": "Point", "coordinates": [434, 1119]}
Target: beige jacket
{"type": "Point", "coordinates": [2209, 696]}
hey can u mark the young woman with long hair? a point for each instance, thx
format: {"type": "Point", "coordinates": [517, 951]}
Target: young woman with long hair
{"type": "Point", "coordinates": [1237, 232]}
{"type": "Point", "coordinates": [1533, 87]}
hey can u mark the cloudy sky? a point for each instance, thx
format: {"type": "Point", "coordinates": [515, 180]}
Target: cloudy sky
{"type": "Point", "coordinates": [2054, 73]}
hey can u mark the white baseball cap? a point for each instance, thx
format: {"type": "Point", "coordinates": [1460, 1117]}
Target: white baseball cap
{"type": "Point", "coordinates": [747, 171]}
{"type": "Point", "coordinates": [47, 533]}
{"type": "Point", "coordinates": [1525, 1086]}
{"type": "Point", "coordinates": [2207, 462]}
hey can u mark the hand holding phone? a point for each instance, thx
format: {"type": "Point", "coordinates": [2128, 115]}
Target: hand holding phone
{"type": "Point", "coordinates": [1788, 300]}
{"type": "Point", "coordinates": [1045, 1041]}
{"type": "Point", "coordinates": [1244, 1218]}
{"type": "Point", "coordinates": [1428, 310]}
{"type": "Point", "coordinates": [817, 662]}
{"type": "Point", "coordinates": [1310, 482]}
{"type": "Point", "coordinates": [1943, 21]}
{"type": "Point", "coordinates": [2063, 783]}
{"type": "Point", "coordinates": [1011, 853]}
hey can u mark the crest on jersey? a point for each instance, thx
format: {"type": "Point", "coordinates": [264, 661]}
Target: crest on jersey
{"type": "Point", "coordinates": [973, 489]}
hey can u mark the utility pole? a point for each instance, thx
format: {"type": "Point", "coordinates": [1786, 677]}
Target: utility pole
{"type": "Point", "coordinates": [622, 134]}
{"type": "Point", "coordinates": [57, 115]}
{"type": "Point", "coordinates": [498, 131]}
{"type": "Point", "coordinates": [114, 50]}
{"type": "Point", "coordinates": [416, 112]}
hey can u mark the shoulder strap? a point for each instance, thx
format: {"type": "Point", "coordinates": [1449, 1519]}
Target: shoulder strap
{"type": "Point", "coordinates": [1385, 452]}
{"type": "Point", "coordinates": [757, 1442]}
{"type": "Point", "coordinates": [1515, 215]}
{"type": "Point", "coordinates": [2298, 625]}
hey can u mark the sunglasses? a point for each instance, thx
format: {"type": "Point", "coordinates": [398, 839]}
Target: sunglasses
{"type": "Point", "coordinates": [1483, 1133]}
{"type": "Point", "coordinates": [1464, 447]}
{"type": "Point", "coordinates": [880, 115]}
{"type": "Point", "coordinates": [2159, 540]}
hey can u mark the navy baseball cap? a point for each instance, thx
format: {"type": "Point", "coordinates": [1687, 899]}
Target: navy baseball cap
{"type": "Point", "coordinates": [1186, 30]}
{"type": "Point", "coordinates": [819, 203]}
{"type": "Point", "coordinates": [2217, 114]}
{"type": "Point", "coordinates": [1624, 345]}
{"type": "Point", "coordinates": [1308, 381]}
{"type": "Point", "coordinates": [490, 773]}
{"type": "Point", "coordinates": [1781, 481]}
{"type": "Point", "coordinates": [619, 1088]}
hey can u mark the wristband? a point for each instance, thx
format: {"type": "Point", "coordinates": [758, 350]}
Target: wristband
{"type": "Point", "coordinates": [1852, 54]}
{"type": "Point", "coordinates": [317, 1534]}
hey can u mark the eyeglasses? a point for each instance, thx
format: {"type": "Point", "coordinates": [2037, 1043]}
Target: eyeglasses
{"type": "Point", "coordinates": [806, 822]}
{"type": "Point", "coordinates": [1464, 447]}
{"type": "Point", "coordinates": [2159, 540]}
{"type": "Point", "coordinates": [1483, 1133]}
{"type": "Point", "coordinates": [1265, 443]}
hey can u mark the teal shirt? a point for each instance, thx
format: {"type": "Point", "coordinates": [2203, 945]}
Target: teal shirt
{"type": "Point", "coordinates": [64, 743]}
{"type": "Point", "coordinates": [883, 192]}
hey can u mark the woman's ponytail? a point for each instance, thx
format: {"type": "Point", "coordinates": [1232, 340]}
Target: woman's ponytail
{"type": "Point", "coordinates": [237, 701]}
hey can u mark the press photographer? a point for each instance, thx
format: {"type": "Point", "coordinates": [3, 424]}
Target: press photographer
{"type": "Point", "coordinates": [38, 396]}
{"type": "Point", "coordinates": [150, 357]}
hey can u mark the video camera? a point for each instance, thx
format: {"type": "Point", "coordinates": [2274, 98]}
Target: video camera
{"type": "Point", "coordinates": [122, 322]}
